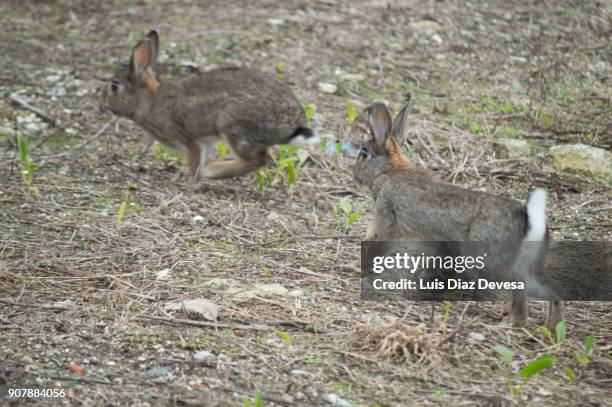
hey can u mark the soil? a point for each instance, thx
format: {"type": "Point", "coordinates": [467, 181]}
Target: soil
{"type": "Point", "coordinates": [107, 235]}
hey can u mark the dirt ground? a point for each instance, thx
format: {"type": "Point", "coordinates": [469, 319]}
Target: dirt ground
{"type": "Point", "coordinates": [85, 280]}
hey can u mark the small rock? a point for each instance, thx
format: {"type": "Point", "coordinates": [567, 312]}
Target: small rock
{"type": "Point", "coordinates": [275, 22]}
{"type": "Point", "coordinates": [511, 148]}
{"type": "Point", "coordinates": [588, 161]}
{"type": "Point", "coordinates": [27, 360]}
{"type": "Point", "coordinates": [159, 374]}
{"type": "Point", "coordinates": [352, 77]}
{"type": "Point", "coordinates": [53, 78]}
{"type": "Point", "coordinates": [299, 372]}
{"type": "Point", "coordinates": [198, 219]}
{"type": "Point", "coordinates": [163, 274]}
{"type": "Point", "coordinates": [189, 64]}
{"type": "Point", "coordinates": [118, 381]}
{"type": "Point", "coordinates": [335, 400]}
{"type": "Point", "coordinates": [205, 356]}
{"type": "Point", "coordinates": [505, 36]}
{"type": "Point", "coordinates": [437, 39]}
{"type": "Point", "coordinates": [273, 217]}
{"type": "Point", "coordinates": [477, 336]}
{"type": "Point", "coordinates": [70, 131]}
{"type": "Point", "coordinates": [32, 127]}
{"type": "Point", "coordinates": [325, 87]}
{"type": "Point", "coordinates": [224, 358]}
{"type": "Point", "coordinates": [132, 12]}
{"type": "Point", "coordinates": [520, 60]}
{"type": "Point", "coordinates": [82, 92]}
{"type": "Point", "coordinates": [465, 33]}
{"type": "Point", "coordinates": [426, 26]}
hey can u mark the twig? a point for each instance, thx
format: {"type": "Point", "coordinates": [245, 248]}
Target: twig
{"type": "Point", "coordinates": [60, 307]}
{"type": "Point", "coordinates": [258, 327]}
{"type": "Point", "coordinates": [43, 115]}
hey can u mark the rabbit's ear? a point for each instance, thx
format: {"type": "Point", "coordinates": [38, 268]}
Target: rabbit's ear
{"type": "Point", "coordinates": [380, 121]}
{"type": "Point", "coordinates": [400, 125]}
{"type": "Point", "coordinates": [153, 36]}
{"type": "Point", "coordinates": [143, 59]}
{"type": "Point", "coordinates": [401, 121]}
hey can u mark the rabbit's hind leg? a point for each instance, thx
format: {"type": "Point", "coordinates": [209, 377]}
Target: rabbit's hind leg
{"type": "Point", "coordinates": [518, 309]}
{"type": "Point", "coordinates": [555, 314]}
{"type": "Point", "coordinates": [194, 155]}
{"type": "Point", "coordinates": [245, 163]}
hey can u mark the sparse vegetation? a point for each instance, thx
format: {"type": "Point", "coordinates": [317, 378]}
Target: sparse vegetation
{"type": "Point", "coordinates": [278, 250]}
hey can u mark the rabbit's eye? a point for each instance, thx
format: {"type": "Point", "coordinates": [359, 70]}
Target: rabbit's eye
{"type": "Point", "coordinates": [363, 153]}
{"type": "Point", "coordinates": [115, 85]}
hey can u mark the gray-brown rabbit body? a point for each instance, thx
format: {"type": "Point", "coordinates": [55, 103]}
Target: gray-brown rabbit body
{"type": "Point", "coordinates": [410, 205]}
{"type": "Point", "coordinates": [247, 108]}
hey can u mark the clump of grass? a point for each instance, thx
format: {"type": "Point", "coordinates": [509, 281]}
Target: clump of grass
{"type": "Point", "coordinates": [26, 165]}
{"type": "Point", "coordinates": [350, 213]}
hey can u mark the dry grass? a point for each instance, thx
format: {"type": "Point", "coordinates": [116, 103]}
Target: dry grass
{"type": "Point", "coordinates": [77, 285]}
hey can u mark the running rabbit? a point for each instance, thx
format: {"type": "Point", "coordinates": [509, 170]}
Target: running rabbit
{"type": "Point", "coordinates": [410, 205]}
{"type": "Point", "coordinates": [248, 109]}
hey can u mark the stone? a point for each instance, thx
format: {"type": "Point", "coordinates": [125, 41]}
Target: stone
{"type": "Point", "coordinates": [325, 87]}
{"type": "Point", "coordinates": [587, 161]}
{"type": "Point", "coordinates": [511, 148]}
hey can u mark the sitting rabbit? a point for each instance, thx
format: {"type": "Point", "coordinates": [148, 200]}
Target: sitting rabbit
{"type": "Point", "coordinates": [248, 109]}
{"type": "Point", "coordinates": [410, 205]}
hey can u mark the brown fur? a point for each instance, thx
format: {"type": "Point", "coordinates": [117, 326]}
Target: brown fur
{"type": "Point", "coordinates": [248, 109]}
{"type": "Point", "coordinates": [410, 205]}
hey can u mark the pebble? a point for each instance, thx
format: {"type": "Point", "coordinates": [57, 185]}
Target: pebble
{"type": "Point", "coordinates": [224, 358]}
{"type": "Point", "coordinates": [275, 22]}
{"type": "Point", "coordinates": [197, 219]}
{"type": "Point", "coordinates": [299, 372]}
{"type": "Point", "coordinates": [437, 39]}
{"type": "Point", "coordinates": [477, 336]}
{"type": "Point", "coordinates": [520, 60]}
{"type": "Point", "coordinates": [162, 274]}
{"type": "Point", "coordinates": [335, 400]}
{"type": "Point", "coordinates": [325, 87]}
{"type": "Point", "coordinates": [32, 127]}
{"type": "Point", "coordinates": [204, 356]}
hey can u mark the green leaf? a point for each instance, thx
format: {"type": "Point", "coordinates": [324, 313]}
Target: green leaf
{"type": "Point", "coordinates": [546, 333]}
{"type": "Point", "coordinates": [504, 352]}
{"type": "Point", "coordinates": [291, 173]}
{"type": "Point", "coordinates": [302, 156]}
{"type": "Point", "coordinates": [407, 152]}
{"type": "Point", "coordinates": [258, 400]}
{"type": "Point", "coordinates": [582, 358]}
{"type": "Point", "coordinates": [537, 365]}
{"type": "Point", "coordinates": [221, 149]}
{"type": "Point", "coordinates": [285, 337]}
{"type": "Point", "coordinates": [22, 146]}
{"type": "Point", "coordinates": [122, 210]}
{"type": "Point", "coordinates": [588, 343]}
{"type": "Point", "coordinates": [309, 111]}
{"type": "Point", "coordinates": [350, 112]}
{"type": "Point", "coordinates": [261, 181]}
{"type": "Point", "coordinates": [353, 216]}
{"type": "Point", "coordinates": [280, 65]}
{"type": "Point", "coordinates": [245, 400]}
{"type": "Point", "coordinates": [560, 330]}
{"type": "Point", "coordinates": [346, 205]}
{"type": "Point", "coordinates": [569, 373]}
{"type": "Point", "coordinates": [338, 147]}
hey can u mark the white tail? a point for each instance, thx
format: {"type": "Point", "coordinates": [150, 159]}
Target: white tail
{"type": "Point", "coordinates": [536, 216]}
